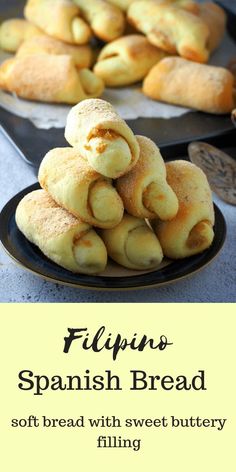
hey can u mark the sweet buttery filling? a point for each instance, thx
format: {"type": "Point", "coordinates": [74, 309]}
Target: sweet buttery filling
{"type": "Point", "coordinates": [199, 235]}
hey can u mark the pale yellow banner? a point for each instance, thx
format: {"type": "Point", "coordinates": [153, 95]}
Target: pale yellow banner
{"type": "Point", "coordinates": [167, 408]}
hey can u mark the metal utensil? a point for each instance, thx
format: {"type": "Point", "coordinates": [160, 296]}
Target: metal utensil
{"type": "Point", "coordinates": [219, 167]}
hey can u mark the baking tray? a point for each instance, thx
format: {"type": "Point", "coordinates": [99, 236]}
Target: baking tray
{"type": "Point", "coordinates": [172, 135]}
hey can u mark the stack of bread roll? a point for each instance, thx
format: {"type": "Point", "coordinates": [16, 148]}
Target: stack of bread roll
{"type": "Point", "coordinates": [165, 43]}
{"type": "Point", "coordinates": [111, 193]}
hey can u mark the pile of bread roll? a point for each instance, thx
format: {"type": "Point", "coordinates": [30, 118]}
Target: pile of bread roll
{"type": "Point", "coordinates": [111, 194]}
{"type": "Point", "coordinates": [165, 43]}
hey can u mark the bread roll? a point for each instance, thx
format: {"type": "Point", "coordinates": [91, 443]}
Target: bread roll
{"type": "Point", "coordinates": [133, 244]}
{"type": "Point", "coordinates": [48, 78]}
{"type": "Point", "coordinates": [126, 60]}
{"type": "Point", "coordinates": [189, 5]}
{"type": "Point", "coordinates": [122, 4]}
{"type": "Point", "coordinates": [144, 190]}
{"type": "Point", "coordinates": [231, 66]}
{"type": "Point", "coordinates": [74, 185]}
{"type": "Point", "coordinates": [63, 238]}
{"type": "Point", "coordinates": [82, 55]}
{"type": "Point", "coordinates": [58, 18]}
{"type": "Point", "coordinates": [14, 32]}
{"type": "Point", "coordinates": [95, 129]}
{"type": "Point", "coordinates": [171, 28]}
{"type": "Point", "coordinates": [107, 21]}
{"type": "Point", "coordinates": [215, 18]}
{"type": "Point", "coordinates": [190, 232]}
{"type": "Point", "coordinates": [202, 87]}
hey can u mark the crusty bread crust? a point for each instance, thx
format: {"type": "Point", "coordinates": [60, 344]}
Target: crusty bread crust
{"type": "Point", "coordinates": [215, 18]}
{"type": "Point", "coordinates": [82, 55]}
{"type": "Point", "coordinates": [66, 175]}
{"type": "Point", "coordinates": [122, 4]}
{"type": "Point", "coordinates": [180, 82]}
{"type": "Point", "coordinates": [190, 232]}
{"type": "Point", "coordinates": [15, 31]}
{"type": "Point", "coordinates": [171, 28]}
{"type": "Point", "coordinates": [126, 60]}
{"type": "Point", "coordinates": [57, 233]}
{"type": "Point", "coordinates": [106, 20]}
{"type": "Point", "coordinates": [55, 17]}
{"type": "Point", "coordinates": [88, 118]}
{"type": "Point", "coordinates": [48, 78]}
{"type": "Point", "coordinates": [133, 186]}
{"type": "Point", "coordinates": [133, 244]}
{"type": "Point", "coordinates": [47, 216]}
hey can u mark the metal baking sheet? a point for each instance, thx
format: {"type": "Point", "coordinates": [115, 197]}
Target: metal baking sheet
{"type": "Point", "coordinates": [172, 135]}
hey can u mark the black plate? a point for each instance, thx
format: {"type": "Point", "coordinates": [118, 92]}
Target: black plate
{"type": "Point", "coordinates": [31, 258]}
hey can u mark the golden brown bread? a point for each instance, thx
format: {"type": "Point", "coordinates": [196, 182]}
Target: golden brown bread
{"type": "Point", "coordinates": [189, 5]}
{"type": "Point", "coordinates": [215, 18]}
{"type": "Point", "coordinates": [171, 28]}
{"type": "Point", "coordinates": [191, 231]}
{"type": "Point", "coordinates": [15, 31]}
{"type": "Point", "coordinates": [126, 60]}
{"type": "Point", "coordinates": [99, 133]}
{"type": "Point", "coordinates": [231, 66]}
{"type": "Point", "coordinates": [58, 18]}
{"type": "Point", "coordinates": [122, 4]}
{"type": "Point", "coordinates": [74, 185]}
{"type": "Point", "coordinates": [133, 244]}
{"type": "Point", "coordinates": [82, 55]}
{"type": "Point", "coordinates": [49, 78]}
{"type": "Point", "coordinates": [107, 21]}
{"type": "Point", "coordinates": [63, 238]}
{"type": "Point", "coordinates": [180, 82]}
{"type": "Point", "coordinates": [144, 190]}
